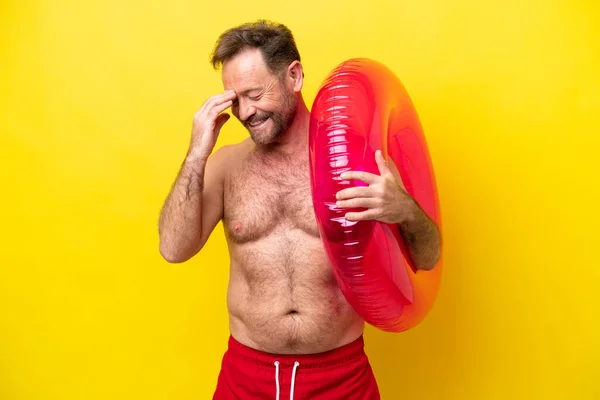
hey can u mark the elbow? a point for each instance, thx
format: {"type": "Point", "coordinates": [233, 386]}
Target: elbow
{"type": "Point", "coordinates": [178, 253]}
{"type": "Point", "coordinates": [428, 266]}
{"type": "Point", "coordinates": [172, 256]}
{"type": "Point", "coordinates": [172, 259]}
{"type": "Point", "coordinates": [429, 262]}
{"type": "Point", "coordinates": [433, 262]}
{"type": "Point", "coordinates": [435, 254]}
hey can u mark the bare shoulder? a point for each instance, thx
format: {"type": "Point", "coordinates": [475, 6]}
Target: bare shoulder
{"type": "Point", "coordinates": [229, 157]}
{"type": "Point", "coordinates": [226, 157]}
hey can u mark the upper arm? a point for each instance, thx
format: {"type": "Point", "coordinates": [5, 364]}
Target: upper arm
{"type": "Point", "coordinates": [212, 193]}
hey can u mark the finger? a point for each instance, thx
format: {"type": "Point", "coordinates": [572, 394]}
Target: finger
{"type": "Point", "coordinates": [357, 191]}
{"type": "Point", "coordinates": [218, 99]}
{"type": "Point", "coordinates": [229, 94]}
{"type": "Point", "coordinates": [396, 174]}
{"type": "Point", "coordinates": [381, 163]}
{"type": "Point", "coordinates": [363, 215]}
{"type": "Point", "coordinates": [219, 108]}
{"type": "Point", "coordinates": [366, 177]}
{"type": "Point", "coordinates": [224, 97]}
{"type": "Point", "coordinates": [359, 202]}
{"type": "Point", "coordinates": [221, 119]}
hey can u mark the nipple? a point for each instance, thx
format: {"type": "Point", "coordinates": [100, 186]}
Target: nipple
{"type": "Point", "coordinates": [237, 227]}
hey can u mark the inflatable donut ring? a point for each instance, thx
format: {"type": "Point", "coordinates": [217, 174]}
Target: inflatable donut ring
{"type": "Point", "coordinates": [361, 107]}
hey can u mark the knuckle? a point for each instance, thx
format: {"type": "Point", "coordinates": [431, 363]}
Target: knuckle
{"type": "Point", "coordinates": [210, 103]}
{"type": "Point", "coordinates": [212, 114]}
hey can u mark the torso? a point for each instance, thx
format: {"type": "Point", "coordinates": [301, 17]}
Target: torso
{"type": "Point", "coordinates": [282, 295]}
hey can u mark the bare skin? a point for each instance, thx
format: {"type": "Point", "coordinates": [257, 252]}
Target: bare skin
{"type": "Point", "coordinates": [282, 296]}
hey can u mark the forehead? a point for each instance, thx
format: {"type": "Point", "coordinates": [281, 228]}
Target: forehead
{"type": "Point", "coordinates": [245, 69]}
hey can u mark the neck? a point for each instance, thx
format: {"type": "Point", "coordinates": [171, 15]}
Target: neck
{"type": "Point", "coordinates": [296, 137]}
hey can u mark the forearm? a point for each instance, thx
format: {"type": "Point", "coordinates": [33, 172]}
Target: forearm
{"type": "Point", "coordinates": [422, 238]}
{"type": "Point", "coordinates": [180, 224]}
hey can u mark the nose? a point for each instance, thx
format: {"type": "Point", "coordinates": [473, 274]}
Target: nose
{"type": "Point", "coordinates": [245, 110]}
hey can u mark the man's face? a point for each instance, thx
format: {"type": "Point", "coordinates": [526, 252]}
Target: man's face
{"type": "Point", "coordinates": [264, 105]}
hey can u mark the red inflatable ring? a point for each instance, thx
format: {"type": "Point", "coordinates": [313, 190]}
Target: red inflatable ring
{"type": "Point", "coordinates": [362, 107]}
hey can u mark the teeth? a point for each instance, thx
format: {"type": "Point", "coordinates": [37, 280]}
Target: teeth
{"type": "Point", "coordinates": [257, 123]}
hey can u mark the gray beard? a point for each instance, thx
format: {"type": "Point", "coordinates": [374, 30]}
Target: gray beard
{"type": "Point", "coordinates": [281, 121]}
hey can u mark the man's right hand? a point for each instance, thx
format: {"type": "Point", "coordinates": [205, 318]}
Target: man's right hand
{"type": "Point", "coordinates": [208, 121]}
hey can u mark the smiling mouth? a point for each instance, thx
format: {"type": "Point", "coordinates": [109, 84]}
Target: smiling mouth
{"type": "Point", "coordinates": [257, 124]}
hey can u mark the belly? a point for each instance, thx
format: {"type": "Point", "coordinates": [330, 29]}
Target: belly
{"type": "Point", "coordinates": [283, 297]}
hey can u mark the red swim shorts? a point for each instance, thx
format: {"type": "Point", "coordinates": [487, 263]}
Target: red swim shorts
{"type": "Point", "coordinates": [343, 373]}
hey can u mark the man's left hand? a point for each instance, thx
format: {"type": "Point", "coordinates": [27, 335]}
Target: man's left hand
{"type": "Point", "coordinates": [385, 199]}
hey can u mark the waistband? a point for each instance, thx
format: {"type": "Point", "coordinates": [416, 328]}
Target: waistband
{"type": "Point", "coordinates": [331, 358]}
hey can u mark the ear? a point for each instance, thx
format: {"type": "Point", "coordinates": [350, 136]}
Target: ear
{"type": "Point", "coordinates": [295, 76]}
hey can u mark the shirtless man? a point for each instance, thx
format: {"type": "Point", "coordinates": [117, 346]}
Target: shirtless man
{"type": "Point", "coordinates": [292, 331]}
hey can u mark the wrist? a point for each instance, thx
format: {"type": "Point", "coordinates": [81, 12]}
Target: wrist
{"type": "Point", "coordinates": [410, 211]}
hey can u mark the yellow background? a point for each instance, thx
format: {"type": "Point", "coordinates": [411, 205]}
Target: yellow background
{"type": "Point", "coordinates": [96, 107]}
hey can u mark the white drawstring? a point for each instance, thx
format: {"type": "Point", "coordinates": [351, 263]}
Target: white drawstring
{"type": "Point", "coordinates": [277, 378]}
{"type": "Point", "coordinates": [296, 365]}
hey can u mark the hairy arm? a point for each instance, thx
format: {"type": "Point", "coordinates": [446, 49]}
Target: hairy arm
{"type": "Point", "coordinates": [193, 207]}
{"type": "Point", "coordinates": [422, 238]}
